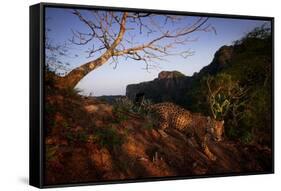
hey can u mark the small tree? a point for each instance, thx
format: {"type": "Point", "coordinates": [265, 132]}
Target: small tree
{"type": "Point", "coordinates": [224, 95]}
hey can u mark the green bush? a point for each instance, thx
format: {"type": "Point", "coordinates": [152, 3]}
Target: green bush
{"type": "Point", "coordinates": [123, 104]}
{"type": "Point", "coordinates": [80, 136]}
{"type": "Point", "coordinates": [123, 107]}
{"type": "Point", "coordinates": [142, 109]}
{"type": "Point", "coordinates": [108, 137]}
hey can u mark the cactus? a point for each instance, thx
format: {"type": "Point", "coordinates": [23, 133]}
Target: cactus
{"type": "Point", "coordinates": [223, 94]}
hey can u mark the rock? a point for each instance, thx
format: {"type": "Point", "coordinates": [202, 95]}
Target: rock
{"type": "Point", "coordinates": [170, 74]}
{"type": "Point", "coordinates": [160, 89]}
{"type": "Point", "coordinates": [101, 108]}
{"type": "Point", "coordinates": [91, 108]}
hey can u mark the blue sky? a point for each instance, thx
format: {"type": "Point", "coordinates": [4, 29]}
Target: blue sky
{"type": "Point", "coordinates": [109, 81]}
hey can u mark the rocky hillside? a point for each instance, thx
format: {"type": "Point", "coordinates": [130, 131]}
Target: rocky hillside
{"type": "Point", "coordinates": [91, 140]}
{"type": "Point", "coordinates": [221, 59]}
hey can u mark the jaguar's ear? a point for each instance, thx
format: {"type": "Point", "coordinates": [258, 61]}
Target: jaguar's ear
{"type": "Point", "coordinates": [222, 121]}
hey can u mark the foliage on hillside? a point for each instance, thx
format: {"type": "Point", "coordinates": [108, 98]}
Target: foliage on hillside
{"type": "Point", "coordinates": [241, 91]}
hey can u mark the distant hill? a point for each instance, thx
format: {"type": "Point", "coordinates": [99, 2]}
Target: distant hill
{"type": "Point", "coordinates": [109, 98]}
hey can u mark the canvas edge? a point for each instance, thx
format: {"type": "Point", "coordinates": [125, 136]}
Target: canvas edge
{"type": "Point", "coordinates": [35, 96]}
{"type": "Point", "coordinates": [37, 90]}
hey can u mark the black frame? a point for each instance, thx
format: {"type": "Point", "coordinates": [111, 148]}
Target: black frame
{"type": "Point", "coordinates": [36, 111]}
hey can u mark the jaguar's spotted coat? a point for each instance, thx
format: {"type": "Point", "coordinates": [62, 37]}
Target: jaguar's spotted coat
{"type": "Point", "coordinates": [200, 127]}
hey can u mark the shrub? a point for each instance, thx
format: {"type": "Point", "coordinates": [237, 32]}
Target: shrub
{"type": "Point", "coordinates": [65, 125]}
{"type": "Point", "coordinates": [71, 92]}
{"type": "Point", "coordinates": [50, 108]}
{"type": "Point", "coordinates": [142, 109]}
{"type": "Point", "coordinates": [108, 137]}
{"type": "Point", "coordinates": [51, 152]}
{"type": "Point", "coordinates": [148, 125]}
{"type": "Point", "coordinates": [81, 136]}
{"type": "Point", "coordinates": [119, 116]}
{"type": "Point", "coordinates": [123, 104]}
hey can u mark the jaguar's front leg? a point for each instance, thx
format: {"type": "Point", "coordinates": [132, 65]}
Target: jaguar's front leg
{"type": "Point", "coordinates": [209, 154]}
{"type": "Point", "coordinates": [206, 149]}
{"type": "Point", "coordinates": [162, 127]}
{"type": "Point", "coordinates": [202, 142]}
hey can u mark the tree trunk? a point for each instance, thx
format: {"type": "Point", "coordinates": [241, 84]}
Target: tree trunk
{"type": "Point", "coordinates": [77, 74]}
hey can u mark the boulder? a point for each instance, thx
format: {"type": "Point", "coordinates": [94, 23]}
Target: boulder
{"type": "Point", "coordinates": [170, 74]}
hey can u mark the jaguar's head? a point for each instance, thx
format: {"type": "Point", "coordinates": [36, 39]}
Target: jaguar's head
{"type": "Point", "coordinates": [217, 130]}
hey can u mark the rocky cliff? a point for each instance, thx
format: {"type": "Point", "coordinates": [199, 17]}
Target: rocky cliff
{"type": "Point", "coordinates": [169, 88]}
{"type": "Point", "coordinates": [173, 85]}
{"type": "Point", "coordinates": [170, 74]}
{"type": "Point", "coordinates": [221, 59]}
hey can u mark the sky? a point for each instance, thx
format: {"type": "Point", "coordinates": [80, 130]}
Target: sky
{"type": "Point", "coordinates": [108, 80]}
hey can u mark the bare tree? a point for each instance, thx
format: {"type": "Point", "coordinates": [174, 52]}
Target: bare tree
{"type": "Point", "coordinates": [115, 34]}
{"type": "Point", "coordinates": [55, 54]}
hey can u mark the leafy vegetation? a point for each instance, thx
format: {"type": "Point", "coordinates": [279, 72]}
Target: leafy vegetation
{"type": "Point", "coordinates": [71, 92]}
{"type": "Point", "coordinates": [108, 137]}
{"type": "Point", "coordinates": [240, 93]}
{"type": "Point", "coordinates": [76, 136]}
{"type": "Point", "coordinates": [123, 107]}
{"type": "Point", "coordinates": [123, 104]}
{"type": "Point", "coordinates": [51, 153]}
